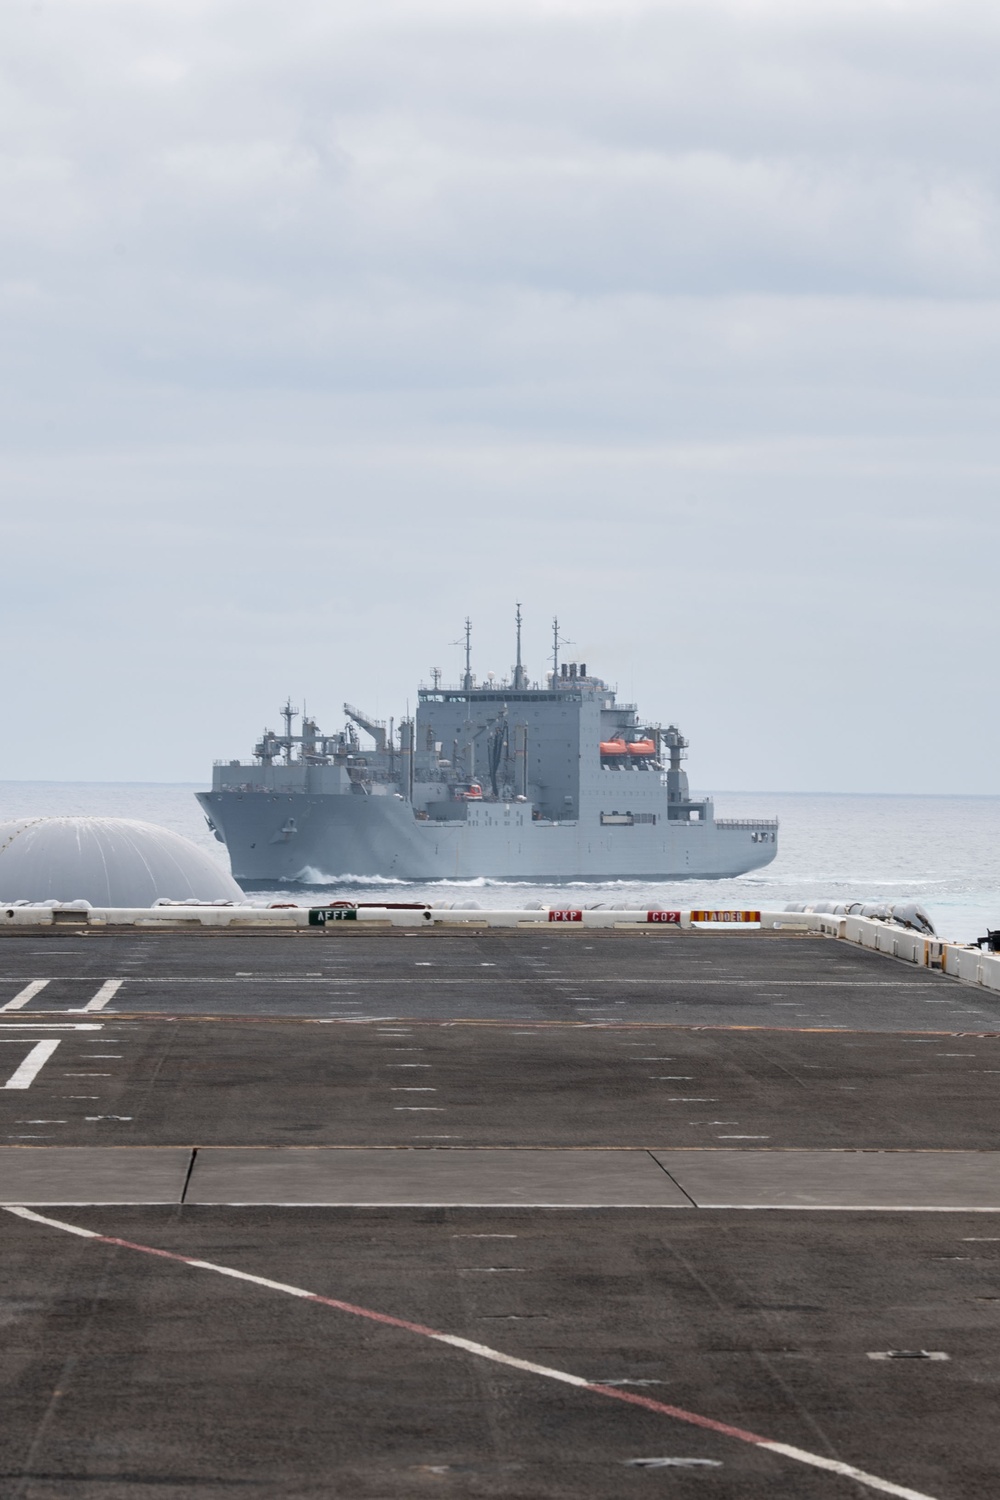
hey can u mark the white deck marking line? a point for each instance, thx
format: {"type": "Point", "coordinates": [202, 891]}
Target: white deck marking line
{"type": "Point", "coordinates": [617, 980]}
{"type": "Point", "coordinates": [52, 1026]}
{"type": "Point", "coordinates": [24, 1076]}
{"type": "Point", "coordinates": [826, 1208]}
{"type": "Point", "coordinates": [22, 997]}
{"type": "Point", "coordinates": [496, 1356]}
{"type": "Point", "coordinates": [107, 992]}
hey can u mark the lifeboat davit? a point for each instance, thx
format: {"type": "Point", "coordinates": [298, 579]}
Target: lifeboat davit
{"type": "Point", "coordinates": [642, 747]}
{"type": "Point", "coordinates": [613, 747]}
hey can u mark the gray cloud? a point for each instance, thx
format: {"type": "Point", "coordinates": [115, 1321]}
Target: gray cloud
{"type": "Point", "coordinates": [323, 328]}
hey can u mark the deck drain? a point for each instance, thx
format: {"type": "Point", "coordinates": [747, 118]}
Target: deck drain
{"type": "Point", "coordinates": [672, 1463]}
{"type": "Point", "coordinates": [909, 1354]}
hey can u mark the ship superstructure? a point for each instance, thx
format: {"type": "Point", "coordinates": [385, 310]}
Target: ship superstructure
{"type": "Point", "coordinates": [518, 780]}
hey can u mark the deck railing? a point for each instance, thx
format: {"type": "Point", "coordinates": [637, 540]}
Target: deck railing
{"type": "Point", "coordinates": [750, 823]}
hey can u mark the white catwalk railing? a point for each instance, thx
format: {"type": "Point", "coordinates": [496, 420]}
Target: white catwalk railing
{"type": "Point", "coordinates": [186, 914]}
{"type": "Point", "coordinates": [964, 961]}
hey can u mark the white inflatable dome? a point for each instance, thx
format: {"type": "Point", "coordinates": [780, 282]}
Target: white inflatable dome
{"type": "Point", "coordinates": [106, 861]}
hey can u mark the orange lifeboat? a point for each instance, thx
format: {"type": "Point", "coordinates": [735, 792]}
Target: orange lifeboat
{"type": "Point", "coordinates": [642, 747]}
{"type": "Point", "coordinates": [613, 747]}
{"type": "Point", "coordinates": [471, 792]}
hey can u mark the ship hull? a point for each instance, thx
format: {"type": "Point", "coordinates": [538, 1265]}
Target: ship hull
{"type": "Point", "coordinates": [298, 838]}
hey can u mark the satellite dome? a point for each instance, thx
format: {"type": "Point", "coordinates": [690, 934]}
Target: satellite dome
{"type": "Point", "coordinates": [106, 861]}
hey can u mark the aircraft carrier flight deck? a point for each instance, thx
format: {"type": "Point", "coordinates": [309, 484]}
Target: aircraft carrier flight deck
{"type": "Point", "coordinates": [404, 1213]}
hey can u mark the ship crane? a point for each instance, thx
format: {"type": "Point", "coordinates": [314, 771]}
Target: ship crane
{"type": "Point", "coordinates": [374, 727]}
{"type": "Point", "coordinates": [497, 750]}
{"type": "Point", "coordinates": [267, 748]}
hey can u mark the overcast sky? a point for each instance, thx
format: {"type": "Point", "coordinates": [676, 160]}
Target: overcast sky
{"type": "Point", "coordinates": [325, 325]}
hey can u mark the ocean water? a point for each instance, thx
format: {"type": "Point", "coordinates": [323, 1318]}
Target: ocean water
{"type": "Point", "coordinates": [941, 851]}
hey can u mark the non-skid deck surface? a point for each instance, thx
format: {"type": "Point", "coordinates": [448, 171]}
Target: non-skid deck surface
{"type": "Point", "coordinates": [553, 1146]}
{"type": "Point", "coordinates": [597, 976]}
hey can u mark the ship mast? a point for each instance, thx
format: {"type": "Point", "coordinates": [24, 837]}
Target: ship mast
{"type": "Point", "coordinates": [467, 679]}
{"type": "Point", "coordinates": [288, 713]}
{"type": "Point", "coordinates": [520, 676]}
{"type": "Point", "coordinates": [557, 641]}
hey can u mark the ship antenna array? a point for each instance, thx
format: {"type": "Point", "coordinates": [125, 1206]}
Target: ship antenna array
{"type": "Point", "coordinates": [288, 713]}
{"type": "Point", "coordinates": [557, 641]}
{"type": "Point", "coordinates": [467, 679]}
{"type": "Point", "coordinates": [520, 680]}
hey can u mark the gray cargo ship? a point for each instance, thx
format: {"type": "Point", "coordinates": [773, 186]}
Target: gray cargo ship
{"type": "Point", "coordinates": [525, 781]}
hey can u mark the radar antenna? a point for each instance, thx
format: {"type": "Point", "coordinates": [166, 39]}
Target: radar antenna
{"type": "Point", "coordinates": [520, 675]}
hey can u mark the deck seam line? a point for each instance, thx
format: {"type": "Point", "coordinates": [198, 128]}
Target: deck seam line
{"type": "Point", "coordinates": [671, 1178]}
{"type": "Point", "coordinates": [187, 1176]}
